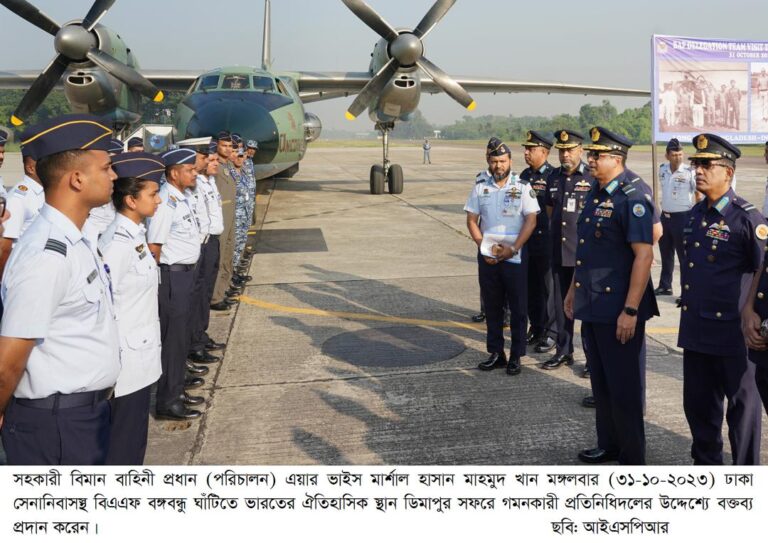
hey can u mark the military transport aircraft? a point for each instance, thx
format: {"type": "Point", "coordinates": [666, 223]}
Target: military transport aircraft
{"type": "Point", "coordinates": [100, 75]}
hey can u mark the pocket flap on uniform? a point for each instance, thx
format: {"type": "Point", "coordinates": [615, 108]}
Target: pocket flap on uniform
{"type": "Point", "coordinates": [142, 338]}
{"type": "Point", "coordinates": [608, 284]}
{"type": "Point", "coordinates": [719, 310]}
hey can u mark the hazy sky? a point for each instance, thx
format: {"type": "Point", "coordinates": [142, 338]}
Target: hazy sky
{"type": "Point", "coordinates": [585, 42]}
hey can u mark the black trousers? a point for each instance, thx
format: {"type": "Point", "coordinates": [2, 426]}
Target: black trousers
{"type": "Point", "coordinates": [207, 270]}
{"type": "Point", "coordinates": [500, 284]}
{"type": "Point", "coordinates": [130, 425]}
{"type": "Point", "coordinates": [562, 276]}
{"type": "Point", "coordinates": [761, 378]}
{"type": "Point", "coordinates": [541, 309]}
{"type": "Point", "coordinates": [617, 385]}
{"type": "Point", "coordinates": [72, 436]}
{"type": "Point", "coordinates": [671, 242]}
{"type": "Point", "coordinates": [175, 295]}
{"type": "Point", "coordinates": [707, 381]}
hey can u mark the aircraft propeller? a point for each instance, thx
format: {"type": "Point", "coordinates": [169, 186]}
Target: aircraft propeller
{"type": "Point", "coordinates": [74, 42]}
{"type": "Point", "coordinates": [406, 50]}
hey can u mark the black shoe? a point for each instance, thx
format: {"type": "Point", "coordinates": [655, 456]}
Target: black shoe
{"type": "Point", "coordinates": [196, 371]}
{"type": "Point", "coordinates": [193, 400]}
{"type": "Point", "coordinates": [588, 402]}
{"type": "Point", "coordinates": [597, 456]}
{"type": "Point", "coordinates": [480, 317]}
{"type": "Point", "coordinates": [496, 360]}
{"type": "Point", "coordinates": [233, 291]}
{"type": "Point", "coordinates": [193, 382]}
{"type": "Point", "coordinates": [532, 338]}
{"type": "Point", "coordinates": [545, 345]}
{"type": "Point", "coordinates": [221, 306]}
{"type": "Point", "coordinates": [239, 281]}
{"type": "Point", "coordinates": [242, 278]}
{"type": "Point", "coordinates": [214, 346]}
{"type": "Point", "coordinates": [177, 411]}
{"type": "Point", "coordinates": [513, 366]}
{"type": "Point", "coordinates": [663, 291]}
{"type": "Point", "coordinates": [585, 373]}
{"type": "Point", "coordinates": [202, 357]}
{"type": "Point", "coordinates": [557, 361]}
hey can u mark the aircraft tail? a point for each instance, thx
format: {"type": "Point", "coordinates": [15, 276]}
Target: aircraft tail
{"type": "Point", "coordinates": [266, 44]}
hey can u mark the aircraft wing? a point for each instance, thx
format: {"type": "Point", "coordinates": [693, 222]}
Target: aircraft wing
{"type": "Point", "coordinates": [20, 79]}
{"type": "Point", "coordinates": [172, 80]}
{"type": "Point", "coordinates": [316, 86]}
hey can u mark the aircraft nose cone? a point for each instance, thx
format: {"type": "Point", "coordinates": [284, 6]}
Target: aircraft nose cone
{"type": "Point", "coordinates": [250, 120]}
{"type": "Point", "coordinates": [407, 49]}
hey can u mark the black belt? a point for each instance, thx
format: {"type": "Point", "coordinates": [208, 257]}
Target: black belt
{"type": "Point", "coordinates": [67, 401]}
{"type": "Point", "coordinates": [177, 267]}
{"type": "Point", "coordinates": [668, 213]}
{"type": "Point", "coordinates": [215, 236]}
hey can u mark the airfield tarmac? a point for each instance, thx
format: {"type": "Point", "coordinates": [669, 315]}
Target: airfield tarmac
{"type": "Point", "coordinates": [353, 345]}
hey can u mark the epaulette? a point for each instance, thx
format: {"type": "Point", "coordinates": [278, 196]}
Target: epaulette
{"type": "Point", "coordinates": [119, 234]}
{"type": "Point", "coordinates": [171, 202]}
{"type": "Point", "coordinates": [627, 188]}
{"type": "Point", "coordinates": [56, 246]}
{"type": "Point", "coordinates": [743, 204]}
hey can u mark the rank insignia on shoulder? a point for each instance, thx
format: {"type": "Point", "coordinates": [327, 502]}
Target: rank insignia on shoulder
{"type": "Point", "coordinates": [628, 188]}
{"type": "Point", "coordinates": [638, 210]}
{"type": "Point", "coordinates": [56, 246]}
{"type": "Point", "coordinates": [762, 232]}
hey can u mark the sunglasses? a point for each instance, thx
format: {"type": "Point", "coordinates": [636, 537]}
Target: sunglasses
{"type": "Point", "coordinates": [596, 155]}
{"type": "Point", "coordinates": [706, 163]}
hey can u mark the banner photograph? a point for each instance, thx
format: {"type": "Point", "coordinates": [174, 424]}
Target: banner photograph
{"type": "Point", "coordinates": [704, 85]}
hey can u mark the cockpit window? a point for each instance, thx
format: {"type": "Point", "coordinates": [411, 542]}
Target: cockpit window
{"type": "Point", "coordinates": [209, 82]}
{"type": "Point", "coordinates": [235, 82]}
{"type": "Point", "coordinates": [281, 88]}
{"type": "Point", "coordinates": [263, 83]}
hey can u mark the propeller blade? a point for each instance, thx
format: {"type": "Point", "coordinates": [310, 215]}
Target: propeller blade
{"type": "Point", "coordinates": [27, 11]}
{"type": "Point", "coordinates": [372, 89]}
{"type": "Point", "coordinates": [97, 11]}
{"type": "Point", "coordinates": [126, 74]}
{"type": "Point", "coordinates": [40, 88]}
{"type": "Point", "coordinates": [369, 16]}
{"type": "Point", "coordinates": [433, 16]}
{"type": "Point", "coordinates": [444, 81]}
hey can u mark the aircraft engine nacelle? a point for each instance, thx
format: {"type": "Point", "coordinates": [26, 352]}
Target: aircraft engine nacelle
{"type": "Point", "coordinates": [398, 100]}
{"type": "Point", "coordinates": [312, 127]}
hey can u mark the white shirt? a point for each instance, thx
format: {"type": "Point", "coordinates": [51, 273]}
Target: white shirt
{"type": "Point", "coordinates": [101, 217]}
{"type": "Point", "coordinates": [175, 228]}
{"type": "Point", "coordinates": [502, 209]}
{"type": "Point", "coordinates": [24, 203]}
{"type": "Point", "coordinates": [213, 203]}
{"type": "Point", "coordinates": [134, 285]}
{"type": "Point", "coordinates": [56, 290]}
{"type": "Point", "coordinates": [678, 188]}
{"type": "Point", "coordinates": [196, 198]}
{"type": "Point", "coordinates": [3, 192]}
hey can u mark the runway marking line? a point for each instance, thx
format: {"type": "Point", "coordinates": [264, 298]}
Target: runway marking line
{"type": "Point", "coordinates": [386, 318]}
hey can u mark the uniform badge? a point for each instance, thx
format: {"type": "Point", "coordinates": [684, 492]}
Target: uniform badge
{"type": "Point", "coordinates": [563, 136]}
{"type": "Point", "coordinates": [485, 191]}
{"type": "Point", "coordinates": [139, 248]}
{"type": "Point", "coordinates": [514, 192]}
{"type": "Point", "coordinates": [595, 133]}
{"type": "Point", "coordinates": [721, 232]}
{"type": "Point", "coordinates": [22, 188]}
{"type": "Point", "coordinates": [529, 136]}
{"type": "Point", "coordinates": [604, 210]}
{"type": "Point", "coordinates": [762, 232]}
{"type": "Point", "coordinates": [540, 185]}
{"type": "Point", "coordinates": [702, 142]}
{"type": "Point", "coordinates": [638, 210]}
{"type": "Point", "coordinates": [582, 186]}
{"type": "Point", "coordinates": [532, 193]}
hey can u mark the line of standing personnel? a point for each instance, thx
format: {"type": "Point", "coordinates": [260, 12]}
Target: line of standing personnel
{"type": "Point", "coordinates": [127, 305]}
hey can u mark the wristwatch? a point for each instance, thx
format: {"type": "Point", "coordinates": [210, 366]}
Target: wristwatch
{"type": "Point", "coordinates": [631, 311]}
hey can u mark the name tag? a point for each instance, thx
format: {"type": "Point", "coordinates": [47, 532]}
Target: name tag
{"type": "Point", "coordinates": [93, 275]}
{"type": "Point", "coordinates": [570, 205]}
{"type": "Point", "coordinates": [142, 255]}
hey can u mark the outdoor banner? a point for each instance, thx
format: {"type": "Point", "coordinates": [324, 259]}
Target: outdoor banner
{"type": "Point", "coordinates": [705, 85]}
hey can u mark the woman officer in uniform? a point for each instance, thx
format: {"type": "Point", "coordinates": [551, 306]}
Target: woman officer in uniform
{"type": "Point", "coordinates": [134, 286]}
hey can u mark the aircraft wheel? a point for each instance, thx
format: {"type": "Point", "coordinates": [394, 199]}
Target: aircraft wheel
{"type": "Point", "coordinates": [377, 179]}
{"type": "Point", "coordinates": [395, 179]}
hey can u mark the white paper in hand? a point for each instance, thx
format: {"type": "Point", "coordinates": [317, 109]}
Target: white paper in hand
{"type": "Point", "coordinates": [490, 239]}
